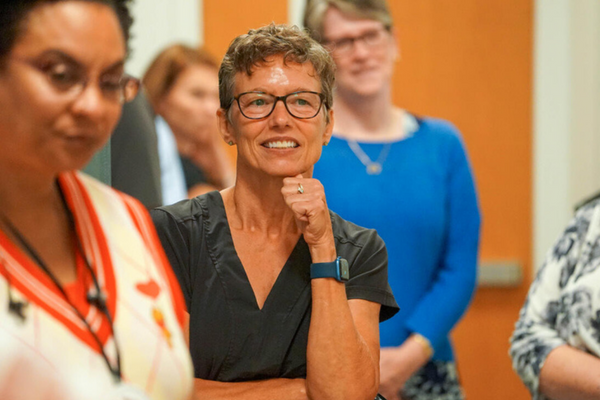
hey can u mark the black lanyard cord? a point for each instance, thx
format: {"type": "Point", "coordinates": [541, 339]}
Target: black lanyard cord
{"type": "Point", "coordinates": [98, 300]}
{"type": "Point", "coordinates": [15, 307]}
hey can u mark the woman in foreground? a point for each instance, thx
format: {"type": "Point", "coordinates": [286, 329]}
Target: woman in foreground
{"type": "Point", "coordinates": [88, 305]}
{"type": "Point", "coordinates": [284, 296]}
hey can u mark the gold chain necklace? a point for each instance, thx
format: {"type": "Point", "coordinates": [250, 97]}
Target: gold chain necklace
{"type": "Point", "coordinates": [373, 167]}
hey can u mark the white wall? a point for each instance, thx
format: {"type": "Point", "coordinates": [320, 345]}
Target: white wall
{"type": "Point", "coordinates": [159, 23]}
{"type": "Point", "coordinates": [585, 127]}
{"type": "Point", "coordinates": [566, 104]}
{"type": "Point", "coordinates": [295, 11]}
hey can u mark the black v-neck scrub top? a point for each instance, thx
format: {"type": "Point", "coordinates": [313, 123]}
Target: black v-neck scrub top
{"type": "Point", "coordinates": [231, 339]}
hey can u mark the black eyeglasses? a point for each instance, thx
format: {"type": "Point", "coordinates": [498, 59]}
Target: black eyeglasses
{"type": "Point", "coordinates": [65, 77]}
{"type": "Point", "coordinates": [343, 46]}
{"type": "Point", "coordinates": [301, 105]}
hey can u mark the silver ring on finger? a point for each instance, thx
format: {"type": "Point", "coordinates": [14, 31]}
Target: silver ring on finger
{"type": "Point", "coordinates": [300, 189]}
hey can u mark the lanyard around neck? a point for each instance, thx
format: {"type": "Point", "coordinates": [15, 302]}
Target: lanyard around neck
{"type": "Point", "coordinates": [97, 299]}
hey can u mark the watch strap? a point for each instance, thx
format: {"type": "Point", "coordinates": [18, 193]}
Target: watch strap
{"type": "Point", "coordinates": [337, 270]}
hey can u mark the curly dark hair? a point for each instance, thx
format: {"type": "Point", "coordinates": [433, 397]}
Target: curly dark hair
{"type": "Point", "coordinates": [14, 13]}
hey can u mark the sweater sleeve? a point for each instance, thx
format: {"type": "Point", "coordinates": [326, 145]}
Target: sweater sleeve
{"type": "Point", "coordinates": [450, 293]}
{"type": "Point", "coordinates": [536, 332]}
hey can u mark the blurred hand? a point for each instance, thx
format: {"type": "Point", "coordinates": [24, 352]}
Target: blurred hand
{"type": "Point", "coordinates": [23, 378]}
{"type": "Point", "coordinates": [393, 373]}
{"type": "Point", "coordinates": [398, 364]}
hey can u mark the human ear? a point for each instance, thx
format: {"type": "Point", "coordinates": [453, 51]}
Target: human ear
{"type": "Point", "coordinates": [225, 127]}
{"type": "Point", "coordinates": [328, 128]}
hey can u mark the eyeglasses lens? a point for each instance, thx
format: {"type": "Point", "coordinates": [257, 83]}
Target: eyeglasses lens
{"type": "Point", "coordinates": [299, 104]}
{"type": "Point", "coordinates": [371, 38]}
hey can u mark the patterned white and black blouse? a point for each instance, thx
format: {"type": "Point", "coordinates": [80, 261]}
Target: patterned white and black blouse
{"type": "Point", "coordinates": [563, 304]}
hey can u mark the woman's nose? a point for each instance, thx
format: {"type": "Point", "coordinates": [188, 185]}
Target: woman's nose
{"type": "Point", "coordinates": [280, 115]}
{"type": "Point", "coordinates": [91, 103]}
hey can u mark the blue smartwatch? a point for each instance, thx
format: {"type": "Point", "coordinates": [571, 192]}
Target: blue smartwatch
{"type": "Point", "coordinates": [337, 270]}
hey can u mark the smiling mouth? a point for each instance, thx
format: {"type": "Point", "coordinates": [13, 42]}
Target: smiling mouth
{"type": "Point", "coordinates": [281, 144]}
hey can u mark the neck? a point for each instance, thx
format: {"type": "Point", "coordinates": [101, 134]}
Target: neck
{"type": "Point", "coordinates": [255, 204]}
{"type": "Point", "coordinates": [32, 202]}
{"type": "Point", "coordinates": [187, 147]}
{"type": "Point", "coordinates": [362, 118]}
{"type": "Point", "coordinates": [211, 158]}
{"type": "Point", "coordinates": [26, 192]}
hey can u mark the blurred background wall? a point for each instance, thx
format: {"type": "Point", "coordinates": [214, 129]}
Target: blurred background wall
{"type": "Point", "coordinates": [159, 23]}
{"type": "Point", "coordinates": [519, 78]}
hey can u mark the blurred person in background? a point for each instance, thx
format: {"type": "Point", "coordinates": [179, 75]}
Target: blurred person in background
{"type": "Point", "coordinates": [284, 296]}
{"type": "Point", "coordinates": [183, 88]}
{"type": "Point", "coordinates": [409, 178]}
{"type": "Point", "coordinates": [89, 307]}
{"type": "Point", "coordinates": [134, 160]}
{"type": "Point", "coordinates": [555, 347]}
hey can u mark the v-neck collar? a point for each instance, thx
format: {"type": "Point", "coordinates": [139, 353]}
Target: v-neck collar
{"type": "Point", "coordinates": [292, 280]}
{"type": "Point", "coordinates": [22, 273]}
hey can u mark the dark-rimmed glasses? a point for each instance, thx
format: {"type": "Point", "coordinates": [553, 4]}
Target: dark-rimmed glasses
{"type": "Point", "coordinates": [65, 78]}
{"type": "Point", "coordinates": [302, 104]}
{"type": "Point", "coordinates": [343, 46]}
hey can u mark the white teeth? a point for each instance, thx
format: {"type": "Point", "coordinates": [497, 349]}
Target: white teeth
{"type": "Point", "coordinates": [286, 144]}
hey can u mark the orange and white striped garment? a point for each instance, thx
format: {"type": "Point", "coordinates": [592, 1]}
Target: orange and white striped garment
{"type": "Point", "coordinates": [53, 349]}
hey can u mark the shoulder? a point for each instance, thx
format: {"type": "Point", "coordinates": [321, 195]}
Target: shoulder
{"type": "Point", "coordinates": [99, 192]}
{"type": "Point", "coordinates": [89, 182]}
{"type": "Point", "coordinates": [439, 130]}
{"type": "Point", "coordinates": [189, 209]}
{"type": "Point", "coordinates": [586, 222]}
{"type": "Point", "coordinates": [591, 202]}
{"type": "Point", "coordinates": [436, 125]}
{"type": "Point", "coordinates": [348, 233]}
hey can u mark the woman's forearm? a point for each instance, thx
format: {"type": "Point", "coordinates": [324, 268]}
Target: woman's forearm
{"type": "Point", "coordinates": [270, 389]}
{"type": "Point", "coordinates": [569, 373]}
{"type": "Point", "coordinates": [343, 345]}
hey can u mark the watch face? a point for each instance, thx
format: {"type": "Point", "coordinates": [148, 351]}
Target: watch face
{"type": "Point", "coordinates": [344, 270]}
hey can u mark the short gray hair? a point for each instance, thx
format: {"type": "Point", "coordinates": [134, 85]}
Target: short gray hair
{"type": "Point", "coordinates": [247, 51]}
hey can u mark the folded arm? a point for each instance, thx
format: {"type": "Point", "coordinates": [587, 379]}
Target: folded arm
{"type": "Point", "coordinates": [540, 352]}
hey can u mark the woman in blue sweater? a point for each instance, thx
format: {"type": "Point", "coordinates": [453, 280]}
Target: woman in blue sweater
{"type": "Point", "coordinates": [409, 178]}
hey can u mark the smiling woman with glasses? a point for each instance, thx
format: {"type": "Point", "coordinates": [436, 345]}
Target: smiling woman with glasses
{"type": "Point", "coordinates": [88, 303]}
{"type": "Point", "coordinates": [409, 178]}
{"type": "Point", "coordinates": [284, 296]}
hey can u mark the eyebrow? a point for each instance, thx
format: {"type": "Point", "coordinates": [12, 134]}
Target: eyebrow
{"type": "Point", "coordinates": [71, 60]}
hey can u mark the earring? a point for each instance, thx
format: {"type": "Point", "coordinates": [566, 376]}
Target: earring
{"type": "Point", "coordinates": [230, 143]}
{"type": "Point", "coordinates": [325, 143]}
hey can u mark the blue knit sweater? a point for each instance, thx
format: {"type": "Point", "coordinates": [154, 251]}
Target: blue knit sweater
{"type": "Point", "coordinates": [424, 206]}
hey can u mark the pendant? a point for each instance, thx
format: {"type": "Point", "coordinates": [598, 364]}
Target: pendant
{"type": "Point", "coordinates": [374, 168]}
{"type": "Point", "coordinates": [17, 308]}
